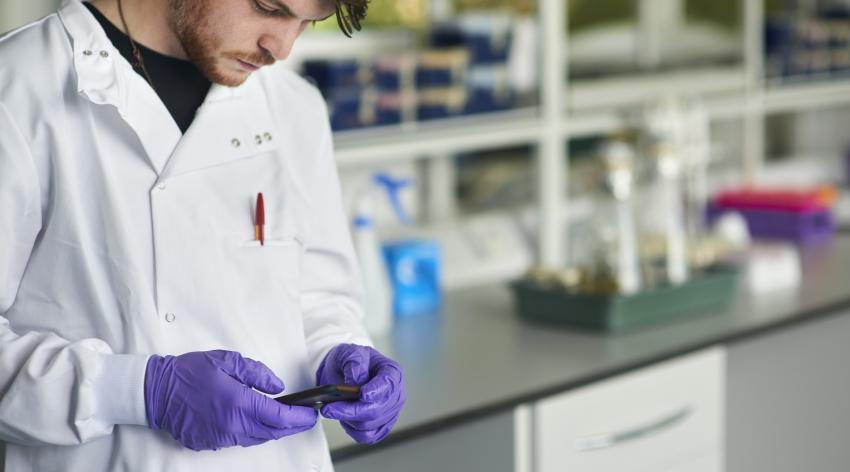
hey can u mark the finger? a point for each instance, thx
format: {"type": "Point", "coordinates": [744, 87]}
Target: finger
{"type": "Point", "coordinates": [248, 441]}
{"type": "Point", "coordinates": [200, 442]}
{"type": "Point", "coordinates": [387, 381]}
{"type": "Point", "coordinates": [277, 415]}
{"type": "Point", "coordinates": [366, 414]}
{"type": "Point", "coordinates": [369, 437]}
{"type": "Point", "coordinates": [356, 411]}
{"type": "Point", "coordinates": [268, 433]}
{"type": "Point", "coordinates": [250, 372]}
{"type": "Point", "coordinates": [370, 425]}
{"type": "Point", "coordinates": [352, 363]}
{"type": "Point", "coordinates": [257, 375]}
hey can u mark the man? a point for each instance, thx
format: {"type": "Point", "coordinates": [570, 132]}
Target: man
{"type": "Point", "coordinates": [144, 326]}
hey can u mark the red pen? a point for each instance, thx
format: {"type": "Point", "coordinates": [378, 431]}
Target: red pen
{"type": "Point", "coordinates": [260, 220]}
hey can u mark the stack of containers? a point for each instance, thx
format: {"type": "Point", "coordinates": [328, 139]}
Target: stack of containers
{"type": "Point", "coordinates": [464, 71]}
{"type": "Point", "coordinates": [441, 83]}
{"type": "Point", "coordinates": [486, 39]}
{"type": "Point", "coordinates": [395, 83]}
{"type": "Point", "coordinates": [803, 41]}
{"type": "Point", "coordinates": [803, 217]}
{"type": "Point", "coordinates": [345, 85]}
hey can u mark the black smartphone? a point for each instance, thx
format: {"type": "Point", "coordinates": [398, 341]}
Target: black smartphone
{"type": "Point", "coordinates": [316, 397]}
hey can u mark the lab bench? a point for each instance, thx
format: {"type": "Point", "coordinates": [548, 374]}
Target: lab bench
{"type": "Point", "coordinates": [762, 386]}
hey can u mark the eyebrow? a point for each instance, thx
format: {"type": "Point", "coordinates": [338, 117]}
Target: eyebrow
{"type": "Point", "coordinates": [285, 8]}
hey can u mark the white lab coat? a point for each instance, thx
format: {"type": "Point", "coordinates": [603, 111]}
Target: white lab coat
{"type": "Point", "coordinates": [120, 238]}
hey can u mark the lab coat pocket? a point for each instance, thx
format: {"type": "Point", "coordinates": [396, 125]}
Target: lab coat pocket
{"type": "Point", "coordinates": [269, 274]}
{"type": "Point", "coordinates": [277, 242]}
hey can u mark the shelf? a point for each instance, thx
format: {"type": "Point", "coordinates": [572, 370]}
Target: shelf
{"type": "Point", "coordinates": [422, 139]}
{"type": "Point", "coordinates": [806, 96]}
{"type": "Point", "coordinates": [379, 145]}
{"type": "Point", "coordinates": [623, 91]}
{"type": "Point", "coordinates": [602, 121]}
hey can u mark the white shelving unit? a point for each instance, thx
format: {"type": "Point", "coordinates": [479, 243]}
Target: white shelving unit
{"type": "Point", "coordinates": [586, 108]}
{"type": "Point", "coordinates": [416, 140]}
{"type": "Point", "coordinates": [567, 110]}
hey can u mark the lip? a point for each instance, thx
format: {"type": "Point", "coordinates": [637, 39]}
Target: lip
{"type": "Point", "coordinates": [247, 65]}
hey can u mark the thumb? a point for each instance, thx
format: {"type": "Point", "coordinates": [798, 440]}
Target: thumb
{"type": "Point", "coordinates": [250, 372]}
{"type": "Point", "coordinates": [277, 415]}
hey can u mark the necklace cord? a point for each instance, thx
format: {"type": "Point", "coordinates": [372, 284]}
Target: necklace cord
{"type": "Point", "coordinates": [137, 54]}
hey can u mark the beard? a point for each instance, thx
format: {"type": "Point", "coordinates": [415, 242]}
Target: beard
{"type": "Point", "coordinates": [191, 22]}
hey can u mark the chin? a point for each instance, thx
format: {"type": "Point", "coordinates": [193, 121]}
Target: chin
{"type": "Point", "coordinates": [227, 78]}
{"type": "Point", "coordinates": [231, 81]}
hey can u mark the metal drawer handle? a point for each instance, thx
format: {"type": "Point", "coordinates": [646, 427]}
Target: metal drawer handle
{"type": "Point", "coordinates": [604, 441]}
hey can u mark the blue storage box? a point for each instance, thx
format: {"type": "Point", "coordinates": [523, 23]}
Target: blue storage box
{"type": "Point", "coordinates": [442, 68]}
{"type": "Point", "coordinates": [488, 49]}
{"type": "Point", "coordinates": [436, 104]}
{"type": "Point", "coordinates": [487, 37]}
{"type": "Point", "coordinates": [330, 75]}
{"type": "Point", "coordinates": [392, 108]}
{"type": "Point", "coordinates": [394, 73]}
{"type": "Point", "coordinates": [344, 108]}
{"type": "Point", "coordinates": [357, 108]}
{"type": "Point", "coordinates": [414, 270]}
{"type": "Point", "coordinates": [489, 89]}
{"type": "Point", "coordinates": [482, 100]}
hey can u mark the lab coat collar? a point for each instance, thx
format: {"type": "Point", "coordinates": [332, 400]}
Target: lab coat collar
{"type": "Point", "coordinates": [105, 78]}
{"type": "Point", "coordinates": [232, 123]}
{"type": "Point", "coordinates": [96, 79]}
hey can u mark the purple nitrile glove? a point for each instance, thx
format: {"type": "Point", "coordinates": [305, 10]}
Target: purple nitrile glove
{"type": "Point", "coordinates": [382, 396]}
{"type": "Point", "coordinates": [205, 400]}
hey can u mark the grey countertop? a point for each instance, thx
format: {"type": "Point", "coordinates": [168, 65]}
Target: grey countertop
{"type": "Point", "coordinates": [477, 357]}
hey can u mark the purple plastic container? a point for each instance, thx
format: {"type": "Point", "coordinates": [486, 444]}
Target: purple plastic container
{"type": "Point", "coordinates": [805, 228]}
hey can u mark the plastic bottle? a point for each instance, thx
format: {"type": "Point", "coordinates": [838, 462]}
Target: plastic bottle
{"type": "Point", "coordinates": [377, 297]}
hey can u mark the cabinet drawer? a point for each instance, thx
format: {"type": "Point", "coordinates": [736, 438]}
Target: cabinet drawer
{"type": "Point", "coordinates": [652, 419]}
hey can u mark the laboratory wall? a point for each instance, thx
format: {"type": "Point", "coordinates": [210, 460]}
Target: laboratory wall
{"type": "Point", "coordinates": [15, 13]}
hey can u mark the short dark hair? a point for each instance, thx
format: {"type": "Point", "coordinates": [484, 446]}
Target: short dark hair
{"type": "Point", "coordinates": [349, 14]}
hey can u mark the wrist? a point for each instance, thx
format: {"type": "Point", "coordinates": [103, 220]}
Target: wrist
{"type": "Point", "coordinates": [119, 387]}
{"type": "Point", "coordinates": [156, 366]}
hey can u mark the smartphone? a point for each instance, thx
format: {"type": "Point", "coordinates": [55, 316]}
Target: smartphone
{"type": "Point", "coordinates": [316, 397]}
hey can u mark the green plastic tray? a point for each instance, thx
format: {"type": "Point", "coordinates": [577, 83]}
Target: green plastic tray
{"type": "Point", "coordinates": [712, 290]}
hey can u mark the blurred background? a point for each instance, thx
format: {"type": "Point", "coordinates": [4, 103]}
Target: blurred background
{"type": "Point", "coordinates": [497, 111]}
{"type": "Point", "coordinates": [602, 169]}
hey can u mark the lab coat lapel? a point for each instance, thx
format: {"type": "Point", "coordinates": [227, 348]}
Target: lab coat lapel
{"type": "Point", "coordinates": [105, 78]}
{"type": "Point", "coordinates": [232, 124]}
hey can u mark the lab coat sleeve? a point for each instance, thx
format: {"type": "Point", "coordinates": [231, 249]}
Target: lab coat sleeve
{"type": "Point", "coordinates": [331, 285]}
{"type": "Point", "coordinates": [52, 390]}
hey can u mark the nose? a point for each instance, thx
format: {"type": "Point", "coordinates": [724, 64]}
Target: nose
{"type": "Point", "coordinates": [279, 42]}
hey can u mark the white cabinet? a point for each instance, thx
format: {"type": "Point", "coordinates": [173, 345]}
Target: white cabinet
{"type": "Point", "coordinates": [667, 417]}
{"type": "Point", "coordinates": [789, 398]}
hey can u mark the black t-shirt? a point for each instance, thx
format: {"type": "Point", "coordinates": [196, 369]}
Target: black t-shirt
{"type": "Point", "coordinates": [179, 84]}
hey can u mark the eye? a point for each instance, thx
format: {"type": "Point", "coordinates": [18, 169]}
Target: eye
{"type": "Point", "coordinates": [265, 10]}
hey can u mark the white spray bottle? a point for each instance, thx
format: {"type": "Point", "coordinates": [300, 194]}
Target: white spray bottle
{"type": "Point", "coordinates": [377, 296]}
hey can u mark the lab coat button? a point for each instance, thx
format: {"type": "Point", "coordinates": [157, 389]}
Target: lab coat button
{"type": "Point", "coordinates": [267, 136]}
{"type": "Point", "coordinates": [87, 52]}
{"type": "Point", "coordinates": [258, 139]}
{"type": "Point", "coordinates": [104, 54]}
{"type": "Point", "coordinates": [161, 186]}
{"type": "Point", "coordinates": [235, 142]}
{"type": "Point", "coordinates": [169, 317]}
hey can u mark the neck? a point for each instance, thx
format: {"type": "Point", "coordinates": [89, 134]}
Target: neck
{"type": "Point", "coordinates": [148, 22]}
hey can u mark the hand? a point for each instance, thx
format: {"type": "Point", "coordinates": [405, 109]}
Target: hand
{"type": "Point", "coordinates": [205, 400]}
{"type": "Point", "coordinates": [382, 395]}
